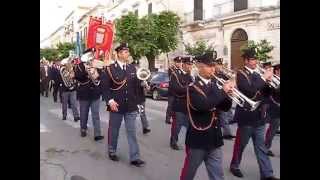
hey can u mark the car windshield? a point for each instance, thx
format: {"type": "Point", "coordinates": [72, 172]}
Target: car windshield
{"type": "Point", "coordinates": [163, 77]}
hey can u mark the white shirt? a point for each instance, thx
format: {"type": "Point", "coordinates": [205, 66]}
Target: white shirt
{"type": "Point", "coordinates": [121, 64]}
{"type": "Point", "coordinates": [204, 79]}
{"type": "Point", "coordinates": [46, 70]}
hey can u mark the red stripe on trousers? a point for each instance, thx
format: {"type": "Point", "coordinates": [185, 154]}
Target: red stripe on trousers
{"type": "Point", "coordinates": [268, 133]}
{"type": "Point", "coordinates": [174, 123]}
{"type": "Point", "coordinates": [236, 146]}
{"type": "Point", "coordinates": [109, 132]}
{"type": "Point", "coordinates": [186, 164]}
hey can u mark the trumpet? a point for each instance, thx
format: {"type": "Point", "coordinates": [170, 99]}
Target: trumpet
{"type": "Point", "coordinates": [275, 80]}
{"type": "Point", "coordinates": [237, 96]}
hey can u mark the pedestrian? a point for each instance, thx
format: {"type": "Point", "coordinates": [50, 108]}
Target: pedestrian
{"type": "Point", "coordinates": [179, 81]}
{"type": "Point", "coordinates": [89, 94]}
{"type": "Point", "coordinates": [169, 113]}
{"type": "Point", "coordinates": [251, 123]}
{"type": "Point", "coordinates": [204, 138]}
{"type": "Point", "coordinates": [68, 92]}
{"type": "Point", "coordinates": [273, 113]}
{"type": "Point", "coordinates": [141, 100]}
{"type": "Point", "coordinates": [120, 93]}
{"type": "Point", "coordinates": [44, 78]}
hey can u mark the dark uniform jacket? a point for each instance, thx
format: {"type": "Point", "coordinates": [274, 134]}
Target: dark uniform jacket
{"type": "Point", "coordinates": [171, 69]}
{"type": "Point", "coordinates": [273, 103]}
{"type": "Point", "coordinates": [86, 89]}
{"type": "Point", "coordinates": [254, 87]}
{"type": "Point", "coordinates": [178, 84]}
{"type": "Point", "coordinates": [121, 86]}
{"type": "Point", "coordinates": [204, 101]}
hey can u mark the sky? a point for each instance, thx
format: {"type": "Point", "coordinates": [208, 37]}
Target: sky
{"type": "Point", "coordinates": [53, 13]}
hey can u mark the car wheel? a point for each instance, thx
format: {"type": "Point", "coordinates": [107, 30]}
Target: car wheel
{"type": "Point", "coordinates": [155, 94]}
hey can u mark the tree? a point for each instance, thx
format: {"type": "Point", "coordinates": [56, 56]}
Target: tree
{"type": "Point", "coordinates": [263, 48]}
{"type": "Point", "coordinates": [49, 53]}
{"type": "Point", "coordinates": [199, 48]}
{"type": "Point", "coordinates": [64, 48]}
{"type": "Point", "coordinates": [150, 35]}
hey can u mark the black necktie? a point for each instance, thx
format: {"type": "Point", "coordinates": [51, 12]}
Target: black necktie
{"type": "Point", "coordinates": [124, 67]}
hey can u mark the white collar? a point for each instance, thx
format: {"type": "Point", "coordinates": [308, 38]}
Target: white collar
{"type": "Point", "coordinates": [250, 70]}
{"type": "Point", "coordinates": [204, 79]}
{"type": "Point", "coordinates": [183, 71]}
{"type": "Point", "coordinates": [121, 64]}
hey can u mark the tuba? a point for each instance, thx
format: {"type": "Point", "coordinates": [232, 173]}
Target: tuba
{"type": "Point", "coordinates": [143, 74]}
{"type": "Point", "coordinates": [67, 74]}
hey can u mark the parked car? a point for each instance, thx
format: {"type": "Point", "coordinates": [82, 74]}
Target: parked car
{"type": "Point", "coordinates": [159, 83]}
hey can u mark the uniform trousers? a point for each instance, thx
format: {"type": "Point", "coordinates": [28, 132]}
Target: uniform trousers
{"type": "Point", "coordinates": [94, 105]}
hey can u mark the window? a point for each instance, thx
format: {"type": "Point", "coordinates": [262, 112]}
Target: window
{"type": "Point", "coordinates": [136, 12]}
{"type": "Point", "coordinates": [198, 10]}
{"type": "Point", "coordinates": [149, 8]}
{"type": "Point", "coordinates": [240, 5]}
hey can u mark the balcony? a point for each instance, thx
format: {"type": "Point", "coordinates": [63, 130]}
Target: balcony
{"type": "Point", "coordinates": [193, 17]}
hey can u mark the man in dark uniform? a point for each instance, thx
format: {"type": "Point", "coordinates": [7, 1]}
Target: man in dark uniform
{"type": "Point", "coordinates": [273, 113]}
{"type": "Point", "coordinates": [68, 93]}
{"type": "Point", "coordinates": [174, 68]}
{"type": "Point", "coordinates": [204, 136]}
{"type": "Point", "coordinates": [55, 73]}
{"type": "Point", "coordinates": [89, 98]}
{"type": "Point", "coordinates": [251, 123]}
{"type": "Point", "coordinates": [141, 100]}
{"type": "Point", "coordinates": [44, 78]}
{"type": "Point", "coordinates": [224, 117]}
{"type": "Point", "coordinates": [179, 81]}
{"type": "Point", "coordinates": [120, 93]}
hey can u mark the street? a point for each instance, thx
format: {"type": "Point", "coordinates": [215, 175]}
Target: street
{"type": "Point", "coordinates": [64, 155]}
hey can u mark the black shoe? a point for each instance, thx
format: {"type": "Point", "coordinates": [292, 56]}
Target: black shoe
{"type": "Point", "coordinates": [76, 119]}
{"type": "Point", "coordinates": [113, 157]}
{"type": "Point", "coordinates": [64, 118]}
{"type": "Point", "coordinates": [97, 138]}
{"type": "Point", "coordinates": [232, 122]}
{"type": "Point", "coordinates": [138, 163]}
{"type": "Point", "coordinates": [236, 172]}
{"type": "Point", "coordinates": [270, 178]}
{"type": "Point", "coordinates": [278, 132]}
{"type": "Point", "coordinates": [228, 137]}
{"type": "Point", "coordinates": [270, 153]}
{"type": "Point", "coordinates": [168, 122]}
{"type": "Point", "coordinates": [146, 131]}
{"type": "Point", "coordinates": [83, 133]}
{"type": "Point", "coordinates": [175, 147]}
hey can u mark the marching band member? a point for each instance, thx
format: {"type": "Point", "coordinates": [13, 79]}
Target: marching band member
{"type": "Point", "coordinates": [251, 123]}
{"type": "Point", "coordinates": [224, 117]}
{"type": "Point", "coordinates": [120, 94]}
{"type": "Point", "coordinates": [89, 97]}
{"type": "Point", "coordinates": [44, 78]}
{"type": "Point", "coordinates": [174, 68]}
{"type": "Point", "coordinates": [68, 93]}
{"type": "Point", "coordinates": [273, 113]}
{"type": "Point", "coordinates": [141, 100]}
{"type": "Point", "coordinates": [204, 136]}
{"type": "Point", "coordinates": [179, 80]}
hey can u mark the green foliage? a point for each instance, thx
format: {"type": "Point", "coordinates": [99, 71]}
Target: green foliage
{"type": "Point", "coordinates": [199, 48]}
{"type": "Point", "coordinates": [150, 35]}
{"type": "Point", "coordinates": [59, 53]}
{"type": "Point", "coordinates": [49, 53]}
{"type": "Point", "coordinates": [64, 48]}
{"type": "Point", "coordinates": [263, 48]}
